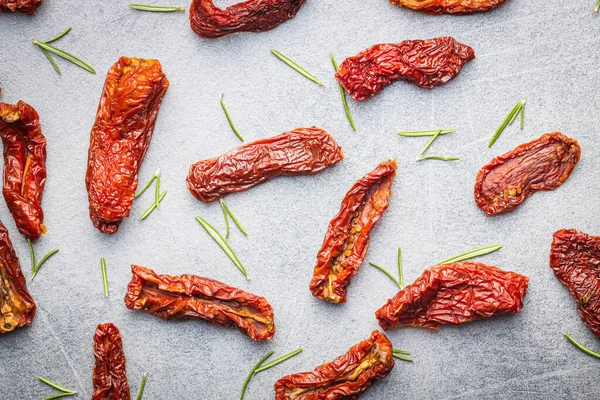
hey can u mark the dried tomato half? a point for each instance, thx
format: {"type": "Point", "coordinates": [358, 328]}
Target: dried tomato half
{"type": "Point", "coordinates": [191, 296]}
{"type": "Point", "coordinates": [301, 151]}
{"type": "Point", "coordinates": [24, 166]}
{"type": "Point", "coordinates": [17, 307]}
{"type": "Point", "coordinates": [347, 238]}
{"type": "Point", "coordinates": [575, 259]}
{"type": "Point", "coordinates": [131, 97]}
{"type": "Point", "coordinates": [209, 21]}
{"type": "Point", "coordinates": [449, 6]}
{"type": "Point", "coordinates": [425, 63]}
{"type": "Point", "coordinates": [346, 377]}
{"type": "Point", "coordinates": [454, 294]}
{"type": "Point", "coordinates": [109, 377]}
{"type": "Point", "coordinates": [23, 6]}
{"type": "Point", "coordinates": [543, 164]}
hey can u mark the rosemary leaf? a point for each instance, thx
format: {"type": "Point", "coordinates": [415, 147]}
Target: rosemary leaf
{"type": "Point", "coordinates": [55, 38]}
{"type": "Point", "coordinates": [225, 217]}
{"type": "Point", "coordinates": [582, 347]}
{"type": "Point", "coordinates": [400, 274]}
{"type": "Point", "coordinates": [343, 94]}
{"type": "Point", "coordinates": [597, 6]}
{"type": "Point", "coordinates": [55, 386]}
{"type": "Point", "coordinates": [429, 142]}
{"type": "Point", "coordinates": [253, 371]}
{"type": "Point", "coordinates": [142, 386]}
{"type": "Point", "coordinates": [399, 351]}
{"type": "Point", "coordinates": [401, 357]}
{"type": "Point", "coordinates": [144, 7]}
{"type": "Point", "coordinates": [148, 184]}
{"type": "Point", "coordinates": [235, 220]}
{"type": "Point", "coordinates": [279, 360]}
{"type": "Point", "coordinates": [426, 133]}
{"type": "Point", "coordinates": [472, 254]}
{"type": "Point", "coordinates": [523, 112]}
{"type": "Point", "coordinates": [233, 128]}
{"type": "Point", "coordinates": [67, 56]}
{"type": "Point", "coordinates": [42, 261]}
{"type": "Point", "coordinates": [32, 256]}
{"type": "Point", "coordinates": [104, 276]}
{"type": "Point", "coordinates": [441, 158]}
{"type": "Point", "coordinates": [385, 272]}
{"type": "Point", "coordinates": [296, 67]}
{"type": "Point", "coordinates": [52, 62]}
{"type": "Point", "coordinates": [223, 244]}
{"type": "Point", "coordinates": [153, 206]}
{"type": "Point", "coordinates": [59, 395]}
{"type": "Point", "coordinates": [512, 115]}
{"type": "Point", "coordinates": [157, 190]}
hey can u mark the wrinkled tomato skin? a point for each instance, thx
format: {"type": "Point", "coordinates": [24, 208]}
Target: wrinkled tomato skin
{"type": "Point", "coordinates": [543, 164]}
{"type": "Point", "coordinates": [348, 234]}
{"type": "Point", "coordinates": [24, 167]}
{"type": "Point", "coordinates": [209, 21]}
{"type": "Point", "coordinates": [425, 63]}
{"type": "Point", "coordinates": [190, 296]}
{"type": "Point", "coordinates": [109, 377]}
{"type": "Point", "coordinates": [17, 308]}
{"type": "Point", "coordinates": [331, 381]}
{"type": "Point", "coordinates": [27, 7]}
{"type": "Point", "coordinates": [454, 294]}
{"type": "Point", "coordinates": [120, 137]}
{"type": "Point", "coordinates": [449, 6]}
{"type": "Point", "coordinates": [300, 151]}
{"type": "Point", "coordinates": [575, 260]}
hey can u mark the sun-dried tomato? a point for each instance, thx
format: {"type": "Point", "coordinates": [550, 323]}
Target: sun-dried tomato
{"type": "Point", "coordinates": [301, 151]}
{"type": "Point", "coordinates": [109, 377]}
{"type": "Point", "coordinates": [454, 294]}
{"type": "Point", "coordinates": [131, 97]}
{"type": "Point", "coordinates": [425, 63]}
{"type": "Point", "coordinates": [347, 238]}
{"type": "Point", "coordinates": [24, 166]}
{"type": "Point", "coordinates": [449, 6]}
{"type": "Point", "coordinates": [191, 296]}
{"type": "Point", "coordinates": [209, 21]}
{"type": "Point", "coordinates": [543, 164]}
{"type": "Point", "coordinates": [17, 307]}
{"type": "Point", "coordinates": [344, 378]}
{"type": "Point", "coordinates": [575, 259]}
{"type": "Point", "coordinates": [23, 6]}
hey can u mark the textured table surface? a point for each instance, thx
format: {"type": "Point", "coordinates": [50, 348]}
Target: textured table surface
{"type": "Point", "coordinates": [546, 51]}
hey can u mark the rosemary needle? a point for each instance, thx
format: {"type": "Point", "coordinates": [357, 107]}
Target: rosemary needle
{"type": "Point", "coordinates": [157, 190]}
{"type": "Point", "coordinates": [582, 347]}
{"type": "Point", "coordinates": [55, 386]}
{"type": "Point", "coordinates": [52, 62]}
{"type": "Point", "coordinates": [42, 261]}
{"type": "Point", "coordinates": [59, 395]}
{"type": "Point", "coordinates": [510, 118]}
{"type": "Point", "coordinates": [405, 352]}
{"type": "Point", "coordinates": [400, 274]}
{"type": "Point", "coordinates": [471, 254]}
{"type": "Point", "coordinates": [225, 217]}
{"type": "Point", "coordinates": [401, 357]}
{"type": "Point", "coordinates": [152, 206]}
{"type": "Point", "coordinates": [148, 184]}
{"type": "Point", "coordinates": [235, 220]}
{"type": "Point", "coordinates": [104, 276]}
{"type": "Point", "coordinates": [428, 144]}
{"type": "Point", "coordinates": [55, 38]}
{"type": "Point", "coordinates": [223, 244]}
{"type": "Point", "coordinates": [144, 7]}
{"type": "Point", "coordinates": [597, 6]}
{"type": "Point", "coordinates": [233, 128]}
{"type": "Point", "coordinates": [343, 94]}
{"type": "Point", "coordinates": [32, 256]}
{"type": "Point", "coordinates": [441, 158]}
{"type": "Point", "coordinates": [142, 387]}
{"type": "Point", "coordinates": [426, 133]}
{"type": "Point", "coordinates": [67, 56]}
{"type": "Point", "coordinates": [386, 272]}
{"type": "Point", "coordinates": [278, 360]}
{"type": "Point", "coordinates": [296, 67]}
{"type": "Point", "coordinates": [253, 371]}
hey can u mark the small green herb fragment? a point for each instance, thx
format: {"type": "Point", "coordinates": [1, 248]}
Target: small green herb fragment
{"type": "Point", "coordinates": [582, 347]}
{"type": "Point", "coordinates": [233, 128]}
{"type": "Point", "coordinates": [235, 220]}
{"type": "Point", "coordinates": [157, 190]}
{"type": "Point", "coordinates": [472, 254]}
{"type": "Point", "coordinates": [296, 67]}
{"type": "Point", "coordinates": [47, 49]}
{"type": "Point", "coordinates": [104, 275]}
{"type": "Point", "coordinates": [401, 355]}
{"type": "Point", "coordinates": [142, 387]}
{"type": "Point", "coordinates": [225, 217]}
{"type": "Point", "coordinates": [147, 185]}
{"type": "Point", "coordinates": [510, 118]}
{"type": "Point", "coordinates": [597, 6]}
{"type": "Point", "coordinates": [343, 94]}
{"type": "Point", "coordinates": [253, 371]}
{"type": "Point", "coordinates": [259, 367]}
{"type": "Point", "coordinates": [36, 267]}
{"type": "Point", "coordinates": [149, 8]}
{"type": "Point", "coordinates": [386, 272]}
{"type": "Point", "coordinates": [400, 280]}
{"type": "Point", "coordinates": [426, 133]}
{"type": "Point", "coordinates": [433, 134]}
{"type": "Point", "coordinates": [65, 392]}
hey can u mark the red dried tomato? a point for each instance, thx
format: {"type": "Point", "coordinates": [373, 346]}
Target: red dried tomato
{"type": "Point", "coordinates": [191, 296]}
{"type": "Point", "coordinates": [24, 166]}
{"type": "Point", "coordinates": [454, 294]}
{"type": "Point", "coordinates": [131, 97]}
{"type": "Point", "coordinates": [425, 63]}
{"type": "Point", "coordinates": [347, 238]}
{"type": "Point", "coordinates": [17, 307]}
{"type": "Point", "coordinates": [109, 377]}
{"type": "Point", "coordinates": [449, 6]}
{"type": "Point", "coordinates": [209, 21]}
{"type": "Point", "coordinates": [23, 6]}
{"type": "Point", "coordinates": [543, 164]}
{"type": "Point", "coordinates": [344, 378]}
{"type": "Point", "coordinates": [575, 259]}
{"type": "Point", "coordinates": [301, 151]}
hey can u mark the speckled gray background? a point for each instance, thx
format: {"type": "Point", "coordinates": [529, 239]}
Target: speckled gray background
{"type": "Point", "coordinates": [546, 51]}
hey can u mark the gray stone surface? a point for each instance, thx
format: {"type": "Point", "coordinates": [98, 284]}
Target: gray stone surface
{"type": "Point", "coordinates": [546, 51]}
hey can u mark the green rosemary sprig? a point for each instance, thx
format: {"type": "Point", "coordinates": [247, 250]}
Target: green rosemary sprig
{"type": "Point", "coordinates": [510, 118]}
{"type": "Point", "coordinates": [32, 256]}
{"type": "Point", "coordinates": [296, 67]}
{"type": "Point", "coordinates": [233, 128]}
{"type": "Point", "coordinates": [426, 133]}
{"type": "Point", "coordinates": [142, 386]}
{"type": "Point", "coordinates": [223, 244]}
{"type": "Point", "coordinates": [597, 6]}
{"type": "Point", "coordinates": [149, 8]}
{"type": "Point", "coordinates": [153, 206]}
{"type": "Point", "coordinates": [429, 143]}
{"type": "Point", "coordinates": [472, 254]}
{"type": "Point", "coordinates": [235, 220]}
{"type": "Point", "coordinates": [441, 158]}
{"type": "Point", "coordinates": [225, 217]}
{"type": "Point", "coordinates": [148, 184]}
{"type": "Point", "coordinates": [433, 135]}
{"type": "Point", "coordinates": [581, 347]}
{"type": "Point", "coordinates": [47, 49]}
{"type": "Point", "coordinates": [343, 94]}
{"type": "Point", "coordinates": [65, 392]}
{"type": "Point", "coordinates": [59, 395]}
{"type": "Point", "coordinates": [259, 367]}
{"type": "Point", "coordinates": [104, 275]}
{"type": "Point", "coordinates": [386, 272]}
{"type": "Point", "coordinates": [35, 267]}
{"type": "Point", "coordinates": [157, 190]}
{"type": "Point", "coordinates": [401, 355]}
{"type": "Point", "coordinates": [400, 273]}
